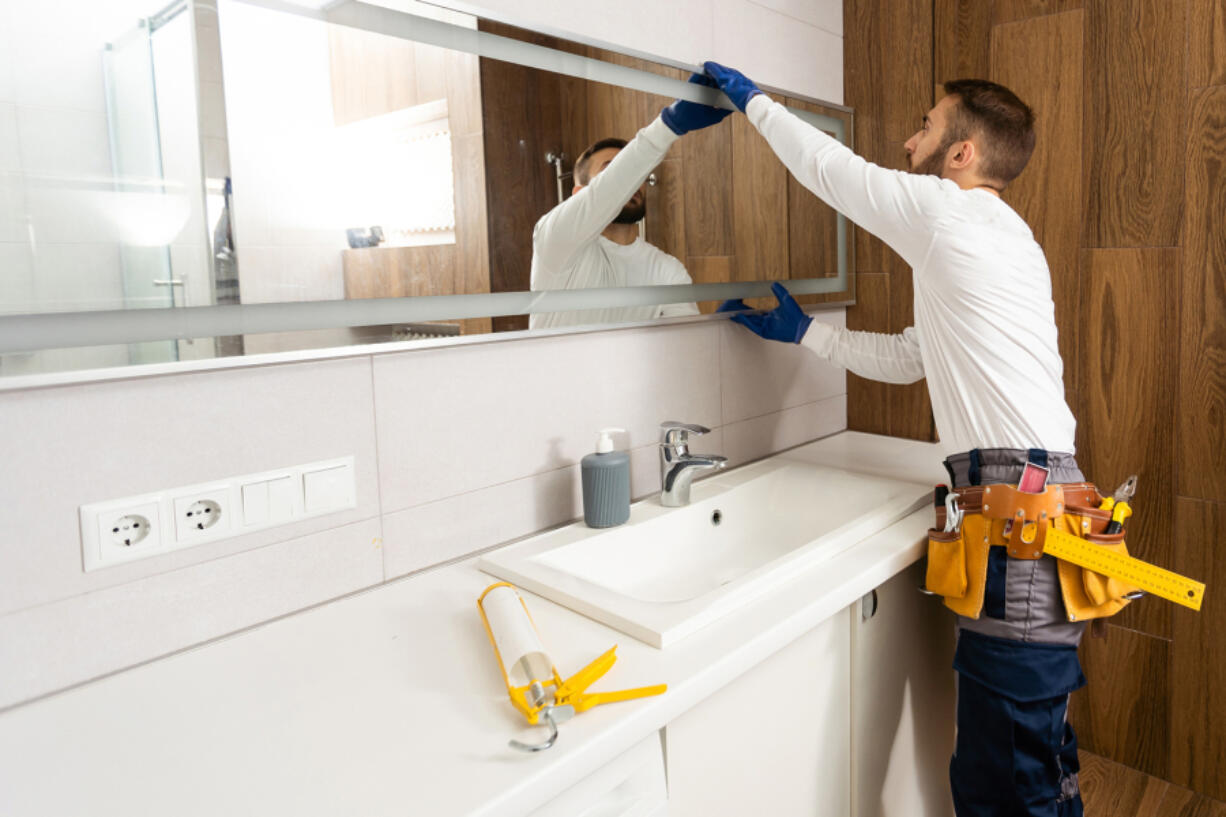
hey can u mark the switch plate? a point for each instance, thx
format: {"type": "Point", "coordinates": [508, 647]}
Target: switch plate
{"type": "Point", "coordinates": [137, 527]}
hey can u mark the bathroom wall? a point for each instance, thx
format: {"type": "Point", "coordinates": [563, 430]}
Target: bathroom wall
{"type": "Point", "coordinates": [1124, 194]}
{"type": "Point", "coordinates": [457, 449]}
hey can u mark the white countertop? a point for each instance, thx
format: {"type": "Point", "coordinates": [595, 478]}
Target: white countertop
{"type": "Point", "coordinates": [390, 701]}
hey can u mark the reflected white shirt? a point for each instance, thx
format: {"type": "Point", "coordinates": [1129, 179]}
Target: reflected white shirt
{"type": "Point", "coordinates": [985, 327]}
{"type": "Point", "coordinates": [569, 252]}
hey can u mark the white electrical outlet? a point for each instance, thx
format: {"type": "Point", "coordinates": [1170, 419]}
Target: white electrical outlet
{"type": "Point", "coordinates": [203, 514]}
{"type": "Point", "coordinates": [122, 530]}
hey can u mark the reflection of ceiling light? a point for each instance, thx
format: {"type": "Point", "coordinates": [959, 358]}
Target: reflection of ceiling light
{"type": "Point", "coordinates": [144, 219]}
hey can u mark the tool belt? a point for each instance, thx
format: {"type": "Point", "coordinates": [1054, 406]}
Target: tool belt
{"type": "Point", "coordinates": [1021, 522]}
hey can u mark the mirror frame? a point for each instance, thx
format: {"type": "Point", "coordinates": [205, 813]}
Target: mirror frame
{"type": "Point", "coordinates": [58, 330]}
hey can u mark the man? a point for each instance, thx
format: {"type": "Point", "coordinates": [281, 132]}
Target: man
{"type": "Point", "coordinates": [592, 239]}
{"type": "Point", "coordinates": [985, 339]}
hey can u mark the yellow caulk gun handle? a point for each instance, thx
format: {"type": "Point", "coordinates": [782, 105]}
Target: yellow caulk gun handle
{"type": "Point", "coordinates": [586, 702]}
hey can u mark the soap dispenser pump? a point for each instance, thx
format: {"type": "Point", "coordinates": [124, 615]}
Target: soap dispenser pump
{"type": "Point", "coordinates": [606, 483]}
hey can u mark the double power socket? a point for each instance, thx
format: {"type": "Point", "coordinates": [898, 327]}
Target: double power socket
{"type": "Point", "coordinates": [138, 527]}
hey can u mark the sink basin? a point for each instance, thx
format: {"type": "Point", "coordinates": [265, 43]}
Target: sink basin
{"type": "Point", "coordinates": [669, 571]}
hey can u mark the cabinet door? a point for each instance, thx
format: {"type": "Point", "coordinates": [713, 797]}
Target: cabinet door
{"type": "Point", "coordinates": [902, 702]}
{"type": "Point", "coordinates": [774, 741]}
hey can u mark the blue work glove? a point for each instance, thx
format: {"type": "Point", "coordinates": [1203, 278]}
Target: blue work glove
{"type": "Point", "coordinates": [786, 323]}
{"type": "Point", "coordinates": [735, 305]}
{"type": "Point", "coordinates": [738, 87]}
{"type": "Point", "coordinates": [684, 116]}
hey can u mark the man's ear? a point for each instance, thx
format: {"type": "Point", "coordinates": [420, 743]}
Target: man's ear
{"type": "Point", "coordinates": [962, 154]}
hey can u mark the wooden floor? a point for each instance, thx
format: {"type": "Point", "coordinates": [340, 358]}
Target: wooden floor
{"type": "Point", "coordinates": [1111, 790]}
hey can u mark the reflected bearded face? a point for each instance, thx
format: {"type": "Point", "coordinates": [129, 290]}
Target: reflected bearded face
{"type": "Point", "coordinates": [635, 210]}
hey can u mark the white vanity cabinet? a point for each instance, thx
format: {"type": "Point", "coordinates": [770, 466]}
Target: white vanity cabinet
{"type": "Point", "coordinates": [902, 701]}
{"type": "Point", "coordinates": [775, 740]}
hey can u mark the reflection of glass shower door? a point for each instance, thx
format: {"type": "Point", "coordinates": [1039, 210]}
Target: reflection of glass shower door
{"type": "Point", "coordinates": [136, 159]}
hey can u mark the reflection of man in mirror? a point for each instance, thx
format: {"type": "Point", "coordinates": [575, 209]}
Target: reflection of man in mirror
{"type": "Point", "coordinates": [592, 239]}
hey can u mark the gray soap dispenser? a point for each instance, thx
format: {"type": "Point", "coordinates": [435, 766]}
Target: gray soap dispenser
{"type": "Point", "coordinates": [606, 484]}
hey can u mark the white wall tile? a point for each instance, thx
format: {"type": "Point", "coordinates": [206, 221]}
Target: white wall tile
{"type": "Point", "coordinates": [10, 148]}
{"type": "Point", "coordinates": [64, 143]}
{"type": "Point", "coordinates": [762, 377]}
{"type": "Point", "coordinates": [8, 85]}
{"type": "Point", "coordinates": [16, 274]}
{"type": "Point", "coordinates": [111, 440]}
{"type": "Point", "coordinates": [759, 437]}
{"type": "Point", "coordinates": [825, 14]}
{"type": "Point", "coordinates": [774, 49]}
{"type": "Point", "coordinates": [12, 208]}
{"type": "Point", "coordinates": [551, 396]}
{"type": "Point", "coordinates": [77, 277]}
{"type": "Point", "coordinates": [449, 528]}
{"type": "Point", "coordinates": [57, 645]}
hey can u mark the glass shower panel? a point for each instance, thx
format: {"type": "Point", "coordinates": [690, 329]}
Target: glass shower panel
{"type": "Point", "coordinates": [136, 159]}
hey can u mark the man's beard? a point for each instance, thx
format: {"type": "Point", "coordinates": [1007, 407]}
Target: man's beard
{"type": "Point", "coordinates": [632, 213]}
{"type": "Point", "coordinates": [934, 164]}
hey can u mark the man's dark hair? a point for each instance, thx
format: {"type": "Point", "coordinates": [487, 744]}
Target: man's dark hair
{"type": "Point", "coordinates": [582, 177]}
{"type": "Point", "coordinates": [1005, 123]}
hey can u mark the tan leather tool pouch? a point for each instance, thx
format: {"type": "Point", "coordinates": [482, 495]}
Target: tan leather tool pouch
{"type": "Point", "coordinates": [946, 564]}
{"type": "Point", "coordinates": [1087, 594]}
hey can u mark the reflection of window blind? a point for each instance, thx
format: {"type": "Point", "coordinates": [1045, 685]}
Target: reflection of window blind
{"type": "Point", "coordinates": [397, 174]}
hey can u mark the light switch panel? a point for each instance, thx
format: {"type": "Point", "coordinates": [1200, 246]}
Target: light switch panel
{"type": "Point", "coordinates": [328, 489]}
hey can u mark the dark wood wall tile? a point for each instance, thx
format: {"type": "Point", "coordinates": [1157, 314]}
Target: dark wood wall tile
{"type": "Point", "coordinates": [1207, 43]}
{"type": "Point", "coordinates": [868, 407]}
{"type": "Point", "coordinates": [1198, 662]}
{"type": "Point", "coordinates": [961, 39]}
{"type": "Point", "coordinates": [906, 69]}
{"type": "Point", "coordinates": [1202, 322]}
{"type": "Point", "coordinates": [1123, 712]}
{"type": "Point", "coordinates": [1040, 60]}
{"type": "Point", "coordinates": [864, 47]}
{"type": "Point", "coordinates": [708, 195]}
{"type": "Point", "coordinates": [1136, 78]}
{"type": "Point", "coordinates": [1007, 11]}
{"type": "Point", "coordinates": [1129, 405]}
{"type": "Point", "coordinates": [760, 201]}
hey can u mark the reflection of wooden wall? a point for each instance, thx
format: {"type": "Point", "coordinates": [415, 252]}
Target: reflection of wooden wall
{"type": "Point", "coordinates": [724, 205]}
{"type": "Point", "coordinates": [1124, 194]}
{"type": "Point", "coordinates": [374, 74]}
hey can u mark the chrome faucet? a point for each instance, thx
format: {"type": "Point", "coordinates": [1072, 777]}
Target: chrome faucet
{"type": "Point", "coordinates": [678, 466]}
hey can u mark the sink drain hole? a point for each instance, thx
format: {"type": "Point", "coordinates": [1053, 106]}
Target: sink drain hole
{"type": "Point", "coordinates": [717, 517]}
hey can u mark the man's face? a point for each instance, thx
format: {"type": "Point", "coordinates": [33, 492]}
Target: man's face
{"type": "Point", "coordinates": [928, 148]}
{"type": "Point", "coordinates": [635, 209]}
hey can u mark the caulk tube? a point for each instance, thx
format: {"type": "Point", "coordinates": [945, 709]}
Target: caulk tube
{"type": "Point", "coordinates": [515, 638]}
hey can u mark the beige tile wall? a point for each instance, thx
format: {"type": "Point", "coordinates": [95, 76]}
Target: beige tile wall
{"type": "Point", "coordinates": [456, 450]}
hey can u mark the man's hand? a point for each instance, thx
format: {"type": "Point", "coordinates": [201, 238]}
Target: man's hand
{"type": "Point", "coordinates": [684, 116]}
{"type": "Point", "coordinates": [738, 87]}
{"type": "Point", "coordinates": [786, 323]}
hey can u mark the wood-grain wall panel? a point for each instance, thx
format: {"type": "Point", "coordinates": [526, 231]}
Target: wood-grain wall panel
{"type": "Point", "coordinates": [707, 193]}
{"type": "Point", "coordinates": [1129, 405]}
{"type": "Point", "coordinates": [1136, 79]}
{"type": "Point", "coordinates": [1007, 11]}
{"type": "Point", "coordinates": [961, 36]}
{"type": "Point", "coordinates": [1123, 712]}
{"type": "Point", "coordinates": [864, 46]}
{"type": "Point", "coordinates": [906, 69]}
{"type": "Point", "coordinates": [666, 218]}
{"type": "Point", "coordinates": [760, 201]}
{"type": "Point", "coordinates": [1040, 60]}
{"type": "Point", "coordinates": [710, 269]}
{"type": "Point", "coordinates": [1198, 662]}
{"type": "Point", "coordinates": [869, 398]}
{"type": "Point", "coordinates": [1207, 43]}
{"type": "Point", "coordinates": [1202, 322]}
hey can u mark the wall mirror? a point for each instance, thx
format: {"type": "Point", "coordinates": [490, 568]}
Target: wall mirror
{"type": "Point", "coordinates": [225, 177]}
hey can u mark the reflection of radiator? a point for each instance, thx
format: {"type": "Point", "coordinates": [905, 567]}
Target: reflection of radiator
{"type": "Point", "coordinates": [417, 331]}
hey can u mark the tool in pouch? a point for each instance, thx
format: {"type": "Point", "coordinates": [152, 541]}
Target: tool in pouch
{"type": "Point", "coordinates": [535, 687]}
{"type": "Point", "coordinates": [1029, 531]}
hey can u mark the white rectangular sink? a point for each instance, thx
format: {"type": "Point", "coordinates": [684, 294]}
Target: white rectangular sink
{"type": "Point", "coordinates": [670, 571]}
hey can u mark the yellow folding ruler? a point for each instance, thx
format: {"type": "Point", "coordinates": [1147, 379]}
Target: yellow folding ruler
{"type": "Point", "coordinates": [1143, 575]}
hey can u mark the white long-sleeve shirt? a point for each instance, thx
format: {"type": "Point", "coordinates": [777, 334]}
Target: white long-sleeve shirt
{"type": "Point", "coordinates": [985, 328]}
{"type": "Point", "coordinates": [569, 252]}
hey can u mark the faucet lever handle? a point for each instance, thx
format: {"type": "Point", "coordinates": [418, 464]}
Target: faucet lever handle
{"type": "Point", "coordinates": [675, 433]}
